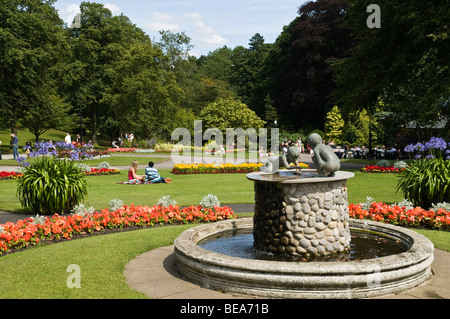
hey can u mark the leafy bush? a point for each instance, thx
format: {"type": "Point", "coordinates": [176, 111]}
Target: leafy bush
{"type": "Point", "coordinates": [444, 205]}
{"type": "Point", "coordinates": [103, 165]}
{"type": "Point", "coordinates": [400, 164]}
{"type": "Point", "coordinates": [115, 204]}
{"type": "Point", "coordinates": [50, 186]}
{"type": "Point", "coordinates": [82, 210]}
{"type": "Point", "coordinates": [166, 201]}
{"type": "Point", "coordinates": [209, 201]}
{"type": "Point", "coordinates": [426, 182]}
{"type": "Point", "coordinates": [84, 167]}
{"type": "Point", "coordinates": [384, 163]}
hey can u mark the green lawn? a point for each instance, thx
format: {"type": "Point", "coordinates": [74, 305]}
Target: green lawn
{"type": "Point", "coordinates": [112, 160]}
{"type": "Point", "coordinates": [190, 189]}
{"type": "Point", "coordinates": [41, 272]}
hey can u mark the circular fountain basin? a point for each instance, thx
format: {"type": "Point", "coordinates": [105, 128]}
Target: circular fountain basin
{"type": "Point", "coordinates": [361, 278]}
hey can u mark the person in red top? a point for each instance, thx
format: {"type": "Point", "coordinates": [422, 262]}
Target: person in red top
{"type": "Point", "coordinates": [132, 173]}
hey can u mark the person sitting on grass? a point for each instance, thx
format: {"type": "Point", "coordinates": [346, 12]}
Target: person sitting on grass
{"type": "Point", "coordinates": [132, 173]}
{"type": "Point", "coordinates": [152, 175]}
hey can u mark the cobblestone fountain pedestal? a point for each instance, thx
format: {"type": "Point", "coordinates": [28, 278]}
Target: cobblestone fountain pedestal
{"type": "Point", "coordinates": [301, 215]}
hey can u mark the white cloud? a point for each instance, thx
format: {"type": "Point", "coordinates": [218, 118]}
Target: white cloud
{"type": "Point", "coordinates": [192, 23]}
{"type": "Point", "coordinates": [159, 26]}
{"type": "Point", "coordinates": [68, 13]}
{"type": "Point", "coordinates": [115, 10]}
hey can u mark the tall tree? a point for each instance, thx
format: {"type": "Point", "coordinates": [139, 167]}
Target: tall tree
{"type": "Point", "coordinates": [144, 95]}
{"type": "Point", "coordinates": [247, 77]}
{"type": "Point", "coordinates": [31, 43]}
{"type": "Point", "coordinates": [334, 125]}
{"type": "Point", "coordinates": [97, 44]}
{"type": "Point", "coordinates": [303, 77]}
{"type": "Point", "coordinates": [404, 62]}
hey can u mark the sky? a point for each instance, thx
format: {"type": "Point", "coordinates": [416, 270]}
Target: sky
{"type": "Point", "coordinates": [211, 24]}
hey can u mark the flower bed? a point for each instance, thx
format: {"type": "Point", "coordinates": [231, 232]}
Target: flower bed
{"type": "Point", "coordinates": [121, 150]}
{"type": "Point", "coordinates": [102, 171]}
{"type": "Point", "coordinates": [10, 175]}
{"type": "Point", "coordinates": [397, 215]}
{"type": "Point", "coordinates": [30, 231]}
{"type": "Point", "coordinates": [92, 172]}
{"type": "Point", "coordinates": [215, 168]}
{"type": "Point", "coordinates": [381, 169]}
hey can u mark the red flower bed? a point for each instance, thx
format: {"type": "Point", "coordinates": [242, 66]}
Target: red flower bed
{"type": "Point", "coordinates": [14, 236]}
{"type": "Point", "coordinates": [121, 150]}
{"type": "Point", "coordinates": [396, 215]}
{"type": "Point", "coordinates": [10, 175]}
{"type": "Point", "coordinates": [381, 169]}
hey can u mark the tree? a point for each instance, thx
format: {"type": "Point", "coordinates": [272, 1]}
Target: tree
{"type": "Point", "coordinates": [334, 125]}
{"type": "Point", "coordinates": [229, 113]}
{"type": "Point", "coordinates": [302, 77]}
{"type": "Point", "coordinates": [405, 62]}
{"type": "Point", "coordinates": [99, 42]}
{"type": "Point", "coordinates": [144, 95]}
{"type": "Point", "coordinates": [361, 128]}
{"type": "Point", "coordinates": [31, 43]}
{"type": "Point", "coordinates": [50, 114]}
{"type": "Point", "coordinates": [248, 77]}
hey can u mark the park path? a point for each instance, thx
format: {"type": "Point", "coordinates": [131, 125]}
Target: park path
{"type": "Point", "coordinates": [170, 161]}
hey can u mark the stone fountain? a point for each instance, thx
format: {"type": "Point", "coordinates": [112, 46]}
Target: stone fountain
{"type": "Point", "coordinates": [301, 216]}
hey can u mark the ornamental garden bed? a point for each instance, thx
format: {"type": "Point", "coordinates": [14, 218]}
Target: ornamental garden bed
{"type": "Point", "coordinates": [381, 169]}
{"type": "Point", "coordinates": [47, 229]}
{"type": "Point", "coordinates": [93, 172]}
{"type": "Point", "coordinates": [416, 217]}
{"type": "Point", "coordinates": [183, 169]}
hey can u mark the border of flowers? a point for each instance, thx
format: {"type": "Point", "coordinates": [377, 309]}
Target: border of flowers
{"type": "Point", "coordinates": [381, 169]}
{"type": "Point", "coordinates": [93, 172]}
{"type": "Point", "coordinates": [33, 231]}
{"type": "Point", "coordinates": [196, 168]}
{"type": "Point", "coordinates": [402, 216]}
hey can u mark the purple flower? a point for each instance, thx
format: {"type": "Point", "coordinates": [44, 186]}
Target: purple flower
{"type": "Point", "coordinates": [436, 143]}
{"type": "Point", "coordinates": [74, 156]}
{"type": "Point", "coordinates": [409, 148]}
{"type": "Point", "coordinates": [420, 147]}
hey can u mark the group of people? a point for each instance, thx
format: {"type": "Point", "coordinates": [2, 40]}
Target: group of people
{"type": "Point", "coordinates": [362, 152]}
{"type": "Point", "coordinates": [151, 175]}
{"type": "Point", "coordinates": [78, 141]}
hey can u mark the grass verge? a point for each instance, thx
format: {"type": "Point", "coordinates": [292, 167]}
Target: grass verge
{"type": "Point", "coordinates": [41, 272]}
{"type": "Point", "coordinates": [189, 189]}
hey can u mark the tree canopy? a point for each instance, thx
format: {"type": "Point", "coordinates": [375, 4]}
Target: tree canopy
{"type": "Point", "coordinates": [107, 72]}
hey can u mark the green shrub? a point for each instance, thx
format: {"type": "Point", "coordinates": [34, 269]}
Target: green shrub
{"type": "Point", "coordinates": [50, 186]}
{"type": "Point", "coordinates": [426, 182]}
{"type": "Point", "coordinates": [209, 201]}
{"type": "Point", "coordinates": [166, 201]}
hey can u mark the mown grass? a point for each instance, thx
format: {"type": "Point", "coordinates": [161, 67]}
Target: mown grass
{"type": "Point", "coordinates": [189, 189]}
{"type": "Point", "coordinates": [41, 272]}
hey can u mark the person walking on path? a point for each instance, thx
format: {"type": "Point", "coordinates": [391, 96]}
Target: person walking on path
{"type": "Point", "coordinates": [15, 145]}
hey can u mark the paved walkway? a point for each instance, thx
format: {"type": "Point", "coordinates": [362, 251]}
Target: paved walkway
{"type": "Point", "coordinates": [154, 274]}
